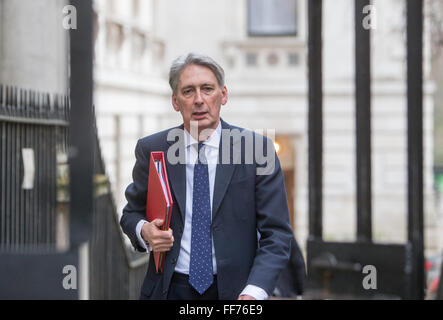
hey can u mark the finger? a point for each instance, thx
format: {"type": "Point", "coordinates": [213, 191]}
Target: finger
{"type": "Point", "coordinates": [165, 235]}
{"type": "Point", "coordinates": [162, 242]}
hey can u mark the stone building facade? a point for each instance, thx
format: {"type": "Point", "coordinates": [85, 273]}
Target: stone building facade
{"type": "Point", "coordinates": [263, 49]}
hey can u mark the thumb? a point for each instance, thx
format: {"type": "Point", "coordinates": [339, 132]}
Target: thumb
{"type": "Point", "coordinates": [157, 222]}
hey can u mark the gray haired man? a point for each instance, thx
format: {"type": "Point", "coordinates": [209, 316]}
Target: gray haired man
{"type": "Point", "coordinates": [212, 248]}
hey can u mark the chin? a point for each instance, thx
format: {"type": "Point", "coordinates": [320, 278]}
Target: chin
{"type": "Point", "coordinates": [206, 123]}
{"type": "Point", "coordinates": [203, 122]}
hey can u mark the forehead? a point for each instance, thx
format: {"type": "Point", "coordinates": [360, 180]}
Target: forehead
{"type": "Point", "coordinates": [194, 75]}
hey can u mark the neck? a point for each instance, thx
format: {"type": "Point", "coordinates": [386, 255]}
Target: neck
{"type": "Point", "coordinates": [198, 133]}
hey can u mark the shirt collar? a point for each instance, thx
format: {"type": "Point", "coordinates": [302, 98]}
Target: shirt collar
{"type": "Point", "coordinates": [212, 141]}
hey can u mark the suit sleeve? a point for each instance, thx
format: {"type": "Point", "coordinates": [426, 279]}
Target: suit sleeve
{"type": "Point", "coordinates": [272, 216]}
{"type": "Point", "coordinates": [135, 209]}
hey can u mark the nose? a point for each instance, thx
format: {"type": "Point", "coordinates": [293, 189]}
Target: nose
{"type": "Point", "coordinates": [198, 98]}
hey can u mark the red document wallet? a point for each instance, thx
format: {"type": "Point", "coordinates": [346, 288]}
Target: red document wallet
{"type": "Point", "coordinates": [159, 200]}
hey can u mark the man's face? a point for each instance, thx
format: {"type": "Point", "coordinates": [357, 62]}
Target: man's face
{"type": "Point", "coordinates": [199, 97]}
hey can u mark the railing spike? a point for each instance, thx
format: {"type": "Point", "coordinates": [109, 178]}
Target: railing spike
{"type": "Point", "coordinates": [7, 96]}
{"type": "Point", "coordinates": [32, 101]}
{"type": "Point", "coordinates": [15, 97]}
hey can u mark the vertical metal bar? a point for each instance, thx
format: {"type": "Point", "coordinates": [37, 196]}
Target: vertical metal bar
{"type": "Point", "coordinates": [44, 179]}
{"type": "Point", "coordinates": [415, 143]}
{"type": "Point", "coordinates": [30, 132]}
{"type": "Point", "coordinates": [3, 186]}
{"type": "Point", "coordinates": [22, 191]}
{"type": "Point", "coordinates": [8, 187]}
{"type": "Point", "coordinates": [363, 123]}
{"type": "Point", "coordinates": [26, 192]}
{"type": "Point", "coordinates": [12, 175]}
{"type": "Point", "coordinates": [50, 179]}
{"type": "Point", "coordinates": [315, 115]}
{"type": "Point", "coordinates": [30, 199]}
{"type": "Point", "coordinates": [440, 285]}
{"type": "Point", "coordinates": [8, 100]}
{"type": "Point", "coordinates": [20, 172]}
{"type": "Point", "coordinates": [31, 103]}
{"type": "Point", "coordinates": [52, 183]}
{"type": "Point", "coordinates": [37, 201]}
{"type": "Point", "coordinates": [80, 131]}
{"type": "Point", "coordinates": [16, 190]}
{"type": "Point", "coordinates": [2, 173]}
{"type": "Point", "coordinates": [44, 187]}
{"type": "Point", "coordinates": [37, 209]}
{"type": "Point", "coordinates": [54, 175]}
{"type": "Point", "coordinates": [15, 159]}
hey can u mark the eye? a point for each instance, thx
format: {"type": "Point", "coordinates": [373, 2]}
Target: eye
{"type": "Point", "coordinates": [207, 89]}
{"type": "Point", "coordinates": [187, 92]}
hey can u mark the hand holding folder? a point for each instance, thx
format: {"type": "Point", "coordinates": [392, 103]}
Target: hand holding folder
{"type": "Point", "coordinates": [159, 201]}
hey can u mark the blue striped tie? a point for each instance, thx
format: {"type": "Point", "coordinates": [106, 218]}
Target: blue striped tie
{"type": "Point", "coordinates": [200, 269]}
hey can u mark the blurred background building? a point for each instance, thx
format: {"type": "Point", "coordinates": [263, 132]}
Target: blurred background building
{"type": "Point", "coordinates": [262, 46]}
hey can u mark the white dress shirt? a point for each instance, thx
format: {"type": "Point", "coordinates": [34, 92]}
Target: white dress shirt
{"type": "Point", "coordinates": [211, 152]}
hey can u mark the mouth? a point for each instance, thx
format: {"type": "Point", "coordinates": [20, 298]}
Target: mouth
{"type": "Point", "coordinates": [199, 115]}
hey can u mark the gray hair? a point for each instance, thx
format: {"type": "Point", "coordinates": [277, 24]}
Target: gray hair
{"type": "Point", "coordinates": [179, 64]}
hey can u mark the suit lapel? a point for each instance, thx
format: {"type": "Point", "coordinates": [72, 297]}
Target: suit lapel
{"type": "Point", "coordinates": [224, 172]}
{"type": "Point", "coordinates": [177, 172]}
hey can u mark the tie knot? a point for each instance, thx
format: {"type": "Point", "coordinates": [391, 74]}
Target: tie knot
{"type": "Point", "coordinates": [201, 157]}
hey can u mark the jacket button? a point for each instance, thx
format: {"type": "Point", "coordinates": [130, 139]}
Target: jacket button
{"type": "Point", "coordinates": [174, 261]}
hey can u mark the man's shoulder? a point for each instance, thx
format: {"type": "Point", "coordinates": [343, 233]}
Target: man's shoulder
{"type": "Point", "coordinates": [233, 130]}
{"type": "Point", "coordinates": [158, 137]}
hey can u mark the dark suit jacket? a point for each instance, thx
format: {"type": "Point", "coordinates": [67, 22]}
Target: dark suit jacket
{"type": "Point", "coordinates": [243, 203]}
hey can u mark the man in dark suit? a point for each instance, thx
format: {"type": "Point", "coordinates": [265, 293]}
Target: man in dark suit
{"type": "Point", "coordinates": [227, 188]}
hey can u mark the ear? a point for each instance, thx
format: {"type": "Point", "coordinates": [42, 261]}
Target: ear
{"type": "Point", "coordinates": [224, 95]}
{"type": "Point", "coordinates": [175, 103]}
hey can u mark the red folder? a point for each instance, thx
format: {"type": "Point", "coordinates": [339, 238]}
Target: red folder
{"type": "Point", "coordinates": [159, 200]}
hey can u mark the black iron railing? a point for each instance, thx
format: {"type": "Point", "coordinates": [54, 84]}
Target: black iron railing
{"type": "Point", "coordinates": [114, 273]}
{"type": "Point", "coordinates": [29, 214]}
{"type": "Point", "coordinates": [335, 268]}
{"type": "Point", "coordinates": [33, 130]}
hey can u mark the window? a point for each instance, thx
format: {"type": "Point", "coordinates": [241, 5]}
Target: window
{"type": "Point", "coordinates": [293, 59]}
{"type": "Point", "coordinates": [251, 59]}
{"type": "Point", "coordinates": [272, 17]}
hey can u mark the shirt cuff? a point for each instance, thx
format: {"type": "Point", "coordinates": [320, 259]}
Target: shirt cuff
{"type": "Point", "coordinates": [255, 292]}
{"type": "Point", "coordinates": [138, 232]}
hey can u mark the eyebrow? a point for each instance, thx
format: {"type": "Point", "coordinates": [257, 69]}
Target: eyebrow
{"type": "Point", "coordinates": [202, 85]}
